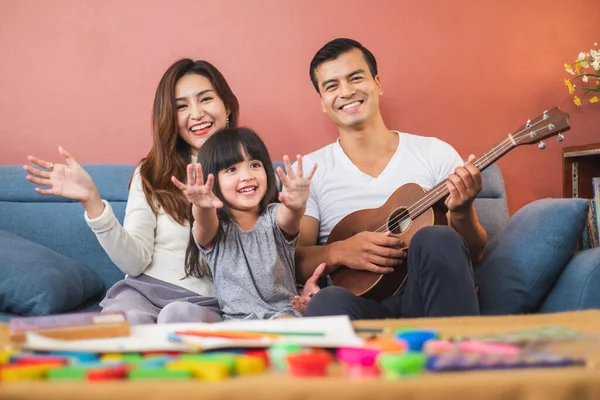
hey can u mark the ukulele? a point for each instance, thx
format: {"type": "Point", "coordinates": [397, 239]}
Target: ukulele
{"type": "Point", "coordinates": [411, 208]}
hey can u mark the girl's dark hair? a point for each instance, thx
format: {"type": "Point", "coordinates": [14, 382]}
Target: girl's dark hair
{"type": "Point", "coordinates": [223, 149]}
{"type": "Point", "coordinates": [170, 154]}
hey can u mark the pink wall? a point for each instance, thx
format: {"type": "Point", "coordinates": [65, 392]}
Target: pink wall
{"type": "Point", "coordinates": [82, 73]}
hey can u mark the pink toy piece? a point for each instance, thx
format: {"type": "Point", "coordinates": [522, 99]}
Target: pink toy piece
{"type": "Point", "coordinates": [357, 356]}
{"type": "Point", "coordinates": [359, 362]}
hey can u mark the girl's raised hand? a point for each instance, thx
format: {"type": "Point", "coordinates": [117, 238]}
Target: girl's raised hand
{"type": "Point", "coordinates": [68, 180]}
{"type": "Point", "coordinates": [197, 192]}
{"type": "Point", "coordinates": [297, 186]}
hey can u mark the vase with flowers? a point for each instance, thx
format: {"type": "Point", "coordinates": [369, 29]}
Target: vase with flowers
{"type": "Point", "coordinates": [585, 81]}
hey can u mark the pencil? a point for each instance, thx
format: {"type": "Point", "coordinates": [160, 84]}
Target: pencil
{"type": "Point", "coordinates": [178, 339]}
{"type": "Point", "coordinates": [371, 330]}
{"type": "Point", "coordinates": [285, 333]}
{"type": "Point", "coordinates": [226, 334]}
{"type": "Point", "coordinates": [247, 334]}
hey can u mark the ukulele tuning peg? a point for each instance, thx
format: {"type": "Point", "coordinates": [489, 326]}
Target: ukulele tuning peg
{"type": "Point", "coordinates": [542, 145]}
{"type": "Point", "coordinates": [528, 124]}
{"type": "Point", "coordinates": [560, 137]}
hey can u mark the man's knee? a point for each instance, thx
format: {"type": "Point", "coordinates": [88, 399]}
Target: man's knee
{"type": "Point", "coordinates": [438, 245]}
{"type": "Point", "coordinates": [436, 237]}
{"type": "Point", "coordinates": [332, 300]}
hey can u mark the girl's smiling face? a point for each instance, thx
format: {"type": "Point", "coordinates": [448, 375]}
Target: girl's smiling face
{"type": "Point", "coordinates": [244, 184]}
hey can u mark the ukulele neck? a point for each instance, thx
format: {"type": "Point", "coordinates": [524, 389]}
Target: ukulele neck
{"type": "Point", "coordinates": [440, 191]}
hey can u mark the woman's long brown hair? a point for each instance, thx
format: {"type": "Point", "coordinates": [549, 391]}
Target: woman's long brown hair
{"type": "Point", "coordinates": [170, 154]}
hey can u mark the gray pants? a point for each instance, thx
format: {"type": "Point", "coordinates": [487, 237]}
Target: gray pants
{"type": "Point", "coordinates": [147, 300]}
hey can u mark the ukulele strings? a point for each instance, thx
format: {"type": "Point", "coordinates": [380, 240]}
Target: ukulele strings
{"type": "Point", "coordinates": [505, 144]}
{"type": "Point", "coordinates": [405, 215]}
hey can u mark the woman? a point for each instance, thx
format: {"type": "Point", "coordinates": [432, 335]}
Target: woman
{"type": "Point", "coordinates": [164, 282]}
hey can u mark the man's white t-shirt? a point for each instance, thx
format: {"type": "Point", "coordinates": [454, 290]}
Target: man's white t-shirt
{"type": "Point", "coordinates": [339, 188]}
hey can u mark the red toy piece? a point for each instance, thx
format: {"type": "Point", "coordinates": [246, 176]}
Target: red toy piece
{"type": "Point", "coordinates": [106, 374]}
{"type": "Point", "coordinates": [309, 363]}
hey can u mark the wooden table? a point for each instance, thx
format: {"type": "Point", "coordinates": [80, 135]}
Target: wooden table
{"type": "Point", "coordinates": [565, 383]}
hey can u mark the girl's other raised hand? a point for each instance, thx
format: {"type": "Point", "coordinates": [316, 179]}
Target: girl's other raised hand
{"type": "Point", "coordinates": [197, 192]}
{"type": "Point", "coordinates": [297, 186]}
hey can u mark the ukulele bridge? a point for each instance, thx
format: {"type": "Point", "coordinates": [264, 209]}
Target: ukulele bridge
{"type": "Point", "coordinates": [399, 221]}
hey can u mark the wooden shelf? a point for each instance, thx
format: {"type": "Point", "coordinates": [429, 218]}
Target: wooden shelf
{"type": "Point", "coordinates": [580, 165]}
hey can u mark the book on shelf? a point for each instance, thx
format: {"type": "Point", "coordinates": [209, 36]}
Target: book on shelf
{"type": "Point", "coordinates": [596, 191]}
{"type": "Point", "coordinates": [591, 237]}
{"type": "Point", "coordinates": [590, 232]}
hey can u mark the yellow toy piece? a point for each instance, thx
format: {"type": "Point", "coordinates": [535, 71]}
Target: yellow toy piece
{"type": "Point", "coordinates": [250, 365]}
{"type": "Point", "coordinates": [206, 370]}
{"type": "Point", "coordinates": [107, 357]}
{"type": "Point", "coordinates": [13, 373]}
{"type": "Point", "coordinates": [5, 356]}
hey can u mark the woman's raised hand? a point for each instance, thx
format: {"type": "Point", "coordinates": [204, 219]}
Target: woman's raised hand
{"type": "Point", "coordinates": [68, 180]}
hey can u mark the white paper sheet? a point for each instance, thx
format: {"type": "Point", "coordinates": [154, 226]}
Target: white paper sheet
{"type": "Point", "coordinates": [337, 331]}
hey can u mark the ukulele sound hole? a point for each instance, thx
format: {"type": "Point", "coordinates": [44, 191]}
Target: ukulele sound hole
{"type": "Point", "coordinates": [399, 221]}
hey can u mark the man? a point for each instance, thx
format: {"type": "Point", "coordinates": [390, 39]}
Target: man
{"type": "Point", "coordinates": [361, 170]}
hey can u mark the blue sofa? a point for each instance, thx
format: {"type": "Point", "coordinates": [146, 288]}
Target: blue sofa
{"type": "Point", "coordinates": [58, 224]}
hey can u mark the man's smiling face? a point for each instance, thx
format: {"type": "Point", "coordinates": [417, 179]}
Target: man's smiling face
{"type": "Point", "coordinates": [349, 94]}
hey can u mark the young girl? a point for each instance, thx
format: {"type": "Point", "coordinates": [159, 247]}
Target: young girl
{"type": "Point", "coordinates": [163, 283]}
{"type": "Point", "coordinates": [246, 236]}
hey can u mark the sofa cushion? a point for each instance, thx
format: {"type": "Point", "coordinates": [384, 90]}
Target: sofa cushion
{"type": "Point", "coordinates": [578, 286]}
{"type": "Point", "coordinates": [35, 280]}
{"type": "Point", "coordinates": [522, 263]}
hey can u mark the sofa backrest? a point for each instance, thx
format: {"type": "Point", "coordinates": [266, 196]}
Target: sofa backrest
{"type": "Point", "coordinates": [491, 203]}
{"type": "Point", "coordinates": [58, 223]}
